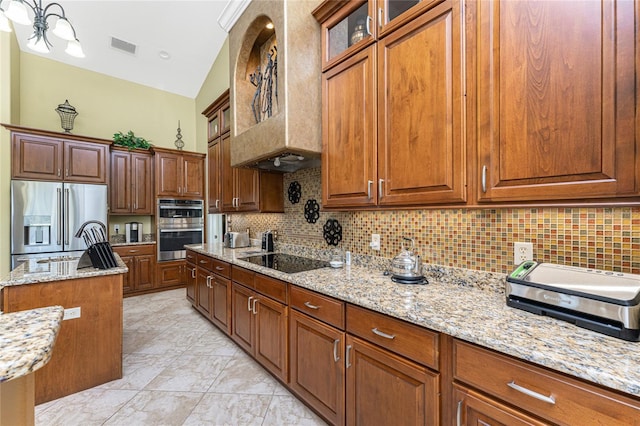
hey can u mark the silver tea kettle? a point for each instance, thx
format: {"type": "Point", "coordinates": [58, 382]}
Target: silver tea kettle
{"type": "Point", "coordinates": [407, 265]}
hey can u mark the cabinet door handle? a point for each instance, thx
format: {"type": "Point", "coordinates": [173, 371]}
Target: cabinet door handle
{"type": "Point", "coordinates": [58, 172]}
{"type": "Point", "coordinates": [209, 279]}
{"type": "Point", "coordinates": [249, 303]}
{"type": "Point", "coordinates": [346, 357]}
{"type": "Point", "coordinates": [381, 334]}
{"type": "Point", "coordinates": [459, 414]}
{"type": "Point", "coordinates": [253, 309]}
{"type": "Point", "coordinates": [217, 203]}
{"type": "Point", "coordinates": [368, 26]}
{"type": "Point", "coordinates": [379, 17]}
{"type": "Point", "coordinates": [66, 172]}
{"type": "Point", "coordinates": [484, 178]}
{"type": "Point", "coordinates": [369, 183]}
{"type": "Point", "coordinates": [550, 399]}
{"type": "Point", "coordinates": [193, 273]}
{"type": "Point", "coordinates": [310, 306]}
{"type": "Point", "coordinates": [336, 358]}
{"type": "Point", "coordinates": [380, 182]}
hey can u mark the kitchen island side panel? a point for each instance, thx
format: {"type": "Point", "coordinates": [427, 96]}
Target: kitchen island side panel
{"type": "Point", "coordinates": [88, 350]}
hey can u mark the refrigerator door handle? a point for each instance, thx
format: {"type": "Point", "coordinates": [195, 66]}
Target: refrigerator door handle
{"type": "Point", "coordinates": [59, 228]}
{"type": "Point", "coordinates": [66, 215]}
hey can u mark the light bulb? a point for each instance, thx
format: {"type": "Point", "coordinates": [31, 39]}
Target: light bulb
{"type": "Point", "coordinates": [276, 162]}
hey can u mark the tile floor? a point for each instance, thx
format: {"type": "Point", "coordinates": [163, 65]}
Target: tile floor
{"type": "Point", "coordinates": [179, 370]}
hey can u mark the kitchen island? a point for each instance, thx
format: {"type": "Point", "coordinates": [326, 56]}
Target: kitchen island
{"type": "Point", "coordinates": [89, 345]}
{"type": "Point", "coordinates": [26, 343]}
{"type": "Point", "coordinates": [469, 306]}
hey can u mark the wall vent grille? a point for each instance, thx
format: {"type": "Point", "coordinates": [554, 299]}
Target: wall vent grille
{"type": "Point", "coordinates": [124, 46]}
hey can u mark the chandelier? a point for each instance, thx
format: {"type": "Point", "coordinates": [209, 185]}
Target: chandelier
{"type": "Point", "coordinates": [16, 11]}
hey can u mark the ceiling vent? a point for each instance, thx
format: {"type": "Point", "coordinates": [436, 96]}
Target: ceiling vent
{"type": "Point", "coordinates": [124, 46]}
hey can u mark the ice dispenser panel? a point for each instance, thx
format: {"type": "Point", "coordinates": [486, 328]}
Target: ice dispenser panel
{"type": "Point", "coordinates": [37, 230]}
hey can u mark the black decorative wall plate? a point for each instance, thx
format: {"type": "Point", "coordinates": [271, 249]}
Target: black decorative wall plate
{"type": "Point", "coordinates": [295, 191]}
{"type": "Point", "coordinates": [332, 232]}
{"type": "Point", "coordinates": [312, 211]}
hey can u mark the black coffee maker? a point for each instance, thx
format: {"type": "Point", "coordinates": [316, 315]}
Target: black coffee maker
{"type": "Point", "coordinates": [267, 241]}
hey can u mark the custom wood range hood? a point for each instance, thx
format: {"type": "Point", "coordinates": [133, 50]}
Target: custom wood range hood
{"type": "Point", "coordinates": [291, 135]}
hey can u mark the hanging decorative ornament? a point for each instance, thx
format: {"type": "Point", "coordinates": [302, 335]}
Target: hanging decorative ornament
{"type": "Point", "coordinates": [332, 232]}
{"type": "Point", "coordinates": [67, 115]}
{"type": "Point", "coordinates": [179, 142]}
{"type": "Point", "coordinates": [295, 191]}
{"type": "Point", "coordinates": [312, 211]}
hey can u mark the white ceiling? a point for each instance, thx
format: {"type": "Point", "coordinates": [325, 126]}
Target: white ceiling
{"type": "Point", "coordinates": [186, 29]}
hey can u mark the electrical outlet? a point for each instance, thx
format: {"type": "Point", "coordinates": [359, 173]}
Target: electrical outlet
{"type": "Point", "coordinates": [375, 241]}
{"type": "Point", "coordinates": [116, 228]}
{"type": "Point", "coordinates": [522, 252]}
{"type": "Point", "coordinates": [71, 313]}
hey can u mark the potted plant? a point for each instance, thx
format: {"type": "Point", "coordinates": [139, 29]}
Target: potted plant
{"type": "Point", "coordinates": [130, 140]}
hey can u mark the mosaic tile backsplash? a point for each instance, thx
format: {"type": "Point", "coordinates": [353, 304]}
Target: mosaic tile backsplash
{"type": "Point", "coordinates": [603, 238]}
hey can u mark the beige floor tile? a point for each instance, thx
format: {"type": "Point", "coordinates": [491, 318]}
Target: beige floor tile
{"type": "Point", "coordinates": [138, 370]}
{"type": "Point", "coordinates": [243, 376]}
{"type": "Point", "coordinates": [288, 411]}
{"type": "Point", "coordinates": [229, 409]}
{"type": "Point", "coordinates": [90, 407]}
{"type": "Point", "coordinates": [189, 374]}
{"type": "Point", "coordinates": [156, 408]}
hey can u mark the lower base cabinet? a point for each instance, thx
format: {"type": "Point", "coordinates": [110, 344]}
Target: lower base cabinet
{"type": "Point", "coordinates": [385, 389]}
{"type": "Point", "coordinates": [259, 326]}
{"type": "Point", "coordinates": [170, 274]}
{"type": "Point", "coordinates": [141, 261]}
{"type": "Point", "coordinates": [190, 282]}
{"type": "Point", "coordinates": [475, 409]}
{"type": "Point", "coordinates": [317, 365]}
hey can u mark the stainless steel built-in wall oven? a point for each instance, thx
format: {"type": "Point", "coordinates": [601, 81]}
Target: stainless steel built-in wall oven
{"type": "Point", "coordinates": [179, 222]}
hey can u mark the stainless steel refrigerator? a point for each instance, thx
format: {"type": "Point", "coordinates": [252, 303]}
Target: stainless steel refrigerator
{"type": "Point", "coordinates": [46, 215]}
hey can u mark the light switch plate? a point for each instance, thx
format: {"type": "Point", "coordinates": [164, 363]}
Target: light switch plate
{"type": "Point", "coordinates": [71, 313]}
{"type": "Point", "coordinates": [375, 241]}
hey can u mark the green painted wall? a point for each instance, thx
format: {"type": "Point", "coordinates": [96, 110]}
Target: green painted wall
{"type": "Point", "coordinates": [105, 104]}
{"type": "Point", "coordinates": [9, 113]}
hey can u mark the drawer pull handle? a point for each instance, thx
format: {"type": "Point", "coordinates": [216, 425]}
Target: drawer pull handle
{"type": "Point", "coordinates": [347, 362]}
{"type": "Point", "coordinates": [536, 395]}
{"type": "Point", "coordinates": [336, 358]}
{"type": "Point", "coordinates": [381, 334]}
{"type": "Point", "coordinates": [219, 268]}
{"type": "Point", "coordinates": [203, 261]}
{"type": "Point", "coordinates": [310, 306]}
{"type": "Point", "coordinates": [133, 251]}
{"type": "Point", "coordinates": [249, 303]}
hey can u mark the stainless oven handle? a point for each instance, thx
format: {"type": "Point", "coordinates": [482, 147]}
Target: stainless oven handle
{"type": "Point", "coordinates": [180, 207]}
{"type": "Point", "coordinates": [181, 230]}
{"type": "Point", "coordinates": [66, 215]}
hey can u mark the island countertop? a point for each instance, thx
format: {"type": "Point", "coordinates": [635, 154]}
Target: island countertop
{"type": "Point", "coordinates": [27, 339]}
{"type": "Point", "coordinates": [36, 271]}
{"type": "Point", "coordinates": [469, 305]}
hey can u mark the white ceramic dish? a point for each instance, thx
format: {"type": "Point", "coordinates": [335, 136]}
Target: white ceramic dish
{"type": "Point", "coordinates": [336, 263]}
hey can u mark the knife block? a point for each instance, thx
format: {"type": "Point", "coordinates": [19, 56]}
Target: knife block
{"type": "Point", "coordinates": [98, 255]}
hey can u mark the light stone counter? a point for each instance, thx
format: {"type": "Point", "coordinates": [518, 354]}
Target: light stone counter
{"type": "Point", "coordinates": [470, 305]}
{"type": "Point", "coordinates": [31, 272]}
{"type": "Point", "coordinates": [26, 340]}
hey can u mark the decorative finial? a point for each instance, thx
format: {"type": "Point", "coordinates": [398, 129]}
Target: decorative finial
{"type": "Point", "coordinates": [179, 142]}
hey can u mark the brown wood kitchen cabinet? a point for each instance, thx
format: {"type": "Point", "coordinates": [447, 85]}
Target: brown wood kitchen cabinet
{"type": "Point", "coordinates": [179, 174]}
{"type": "Point", "coordinates": [141, 261]}
{"type": "Point", "coordinates": [259, 322]}
{"type": "Point", "coordinates": [555, 99]}
{"type": "Point", "coordinates": [190, 277]}
{"type": "Point", "coordinates": [131, 182]}
{"type": "Point", "coordinates": [388, 358]}
{"type": "Point", "coordinates": [236, 189]}
{"type": "Point", "coordinates": [213, 291]}
{"type": "Point", "coordinates": [514, 390]}
{"type": "Point", "coordinates": [170, 274]}
{"type": "Point", "coordinates": [316, 352]}
{"type": "Point", "coordinates": [399, 113]}
{"type": "Point", "coordinates": [51, 156]}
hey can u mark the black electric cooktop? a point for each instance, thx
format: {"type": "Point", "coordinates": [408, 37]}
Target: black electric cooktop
{"type": "Point", "coordinates": [286, 262]}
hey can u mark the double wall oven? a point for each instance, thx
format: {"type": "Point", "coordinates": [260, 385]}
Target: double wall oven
{"type": "Point", "coordinates": [179, 222]}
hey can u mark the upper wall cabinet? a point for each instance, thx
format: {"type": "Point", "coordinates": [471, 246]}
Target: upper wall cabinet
{"type": "Point", "coordinates": [131, 182]}
{"type": "Point", "coordinates": [393, 119]}
{"type": "Point", "coordinates": [556, 99]}
{"type": "Point", "coordinates": [40, 155]}
{"type": "Point", "coordinates": [179, 173]}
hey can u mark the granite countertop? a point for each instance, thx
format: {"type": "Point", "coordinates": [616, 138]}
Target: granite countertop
{"type": "Point", "coordinates": [32, 272]}
{"type": "Point", "coordinates": [470, 305]}
{"type": "Point", "coordinates": [27, 339]}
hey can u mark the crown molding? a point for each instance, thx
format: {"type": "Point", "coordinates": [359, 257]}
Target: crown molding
{"type": "Point", "coordinates": [231, 13]}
